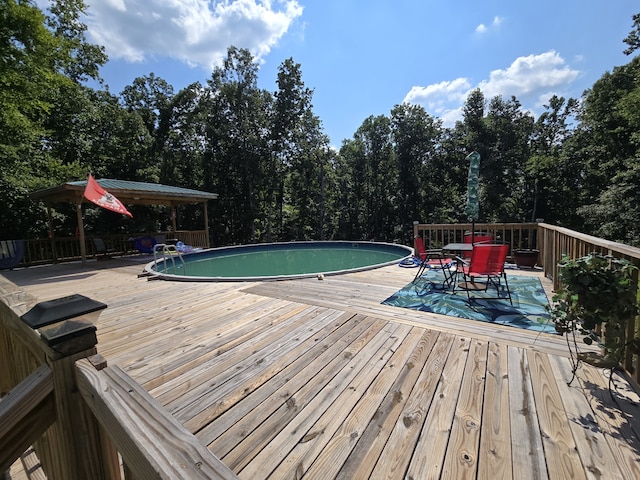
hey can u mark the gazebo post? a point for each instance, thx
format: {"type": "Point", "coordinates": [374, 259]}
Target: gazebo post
{"type": "Point", "coordinates": [52, 238]}
{"type": "Point", "coordinates": [83, 247]}
{"type": "Point", "coordinates": [206, 222]}
{"type": "Point", "coordinates": [173, 218]}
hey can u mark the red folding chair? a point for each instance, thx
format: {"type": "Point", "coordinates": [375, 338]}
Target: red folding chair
{"type": "Point", "coordinates": [433, 258]}
{"type": "Point", "coordinates": [487, 261]}
{"type": "Point", "coordinates": [477, 237]}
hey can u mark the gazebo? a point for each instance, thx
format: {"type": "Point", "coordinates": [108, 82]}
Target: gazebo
{"type": "Point", "coordinates": [129, 193]}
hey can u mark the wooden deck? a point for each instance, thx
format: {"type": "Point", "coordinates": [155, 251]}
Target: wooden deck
{"type": "Point", "coordinates": [316, 379]}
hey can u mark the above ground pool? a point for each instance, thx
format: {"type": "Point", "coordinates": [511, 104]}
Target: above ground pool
{"type": "Point", "coordinates": [276, 261]}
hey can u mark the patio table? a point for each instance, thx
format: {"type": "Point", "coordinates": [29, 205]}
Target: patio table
{"type": "Point", "coordinates": [458, 247]}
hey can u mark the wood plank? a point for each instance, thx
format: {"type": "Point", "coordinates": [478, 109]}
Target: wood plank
{"type": "Point", "coordinates": [372, 440]}
{"type": "Point", "coordinates": [25, 413]}
{"type": "Point", "coordinates": [265, 365]}
{"type": "Point", "coordinates": [315, 381]}
{"type": "Point", "coordinates": [590, 441]}
{"type": "Point", "coordinates": [344, 292]}
{"type": "Point", "coordinates": [165, 333]}
{"type": "Point", "coordinates": [236, 365]}
{"type": "Point", "coordinates": [201, 373]}
{"type": "Point", "coordinates": [430, 451]}
{"type": "Point", "coordinates": [616, 417]}
{"type": "Point", "coordinates": [495, 451]}
{"type": "Point", "coordinates": [204, 345]}
{"type": "Point", "coordinates": [461, 460]}
{"type": "Point", "coordinates": [255, 407]}
{"type": "Point", "coordinates": [560, 448]}
{"type": "Point", "coordinates": [526, 441]}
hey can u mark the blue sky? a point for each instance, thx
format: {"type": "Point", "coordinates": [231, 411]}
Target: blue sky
{"type": "Point", "coordinates": [363, 57]}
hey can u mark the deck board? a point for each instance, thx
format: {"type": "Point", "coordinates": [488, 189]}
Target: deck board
{"type": "Point", "coordinates": [317, 379]}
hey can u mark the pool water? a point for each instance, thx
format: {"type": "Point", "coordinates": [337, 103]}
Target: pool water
{"type": "Point", "coordinates": [280, 260]}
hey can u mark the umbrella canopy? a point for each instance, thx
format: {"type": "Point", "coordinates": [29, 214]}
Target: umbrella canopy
{"type": "Point", "coordinates": [472, 207]}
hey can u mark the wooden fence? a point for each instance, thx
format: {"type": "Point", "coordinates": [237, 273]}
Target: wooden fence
{"type": "Point", "coordinates": [517, 235]}
{"type": "Point", "coordinates": [65, 249]}
{"type": "Point", "coordinates": [86, 420]}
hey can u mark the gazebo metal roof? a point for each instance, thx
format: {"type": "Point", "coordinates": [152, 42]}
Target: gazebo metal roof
{"type": "Point", "coordinates": [132, 193]}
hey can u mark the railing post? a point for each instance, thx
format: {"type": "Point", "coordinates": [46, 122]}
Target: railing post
{"type": "Point", "coordinates": [74, 448]}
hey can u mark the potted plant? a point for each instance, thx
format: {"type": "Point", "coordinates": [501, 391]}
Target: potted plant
{"type": "Point", "coordinates": [597, 298]}
{"type": "Point", "coordinates": [525, 257]}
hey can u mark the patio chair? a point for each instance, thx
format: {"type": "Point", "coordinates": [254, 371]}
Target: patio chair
{"type": "Point", "coordinates": [102, 251]}
{"type": "Point", "coordinates": [432, 258]}
{"type": "Point", "coordinates": [11, 253]}
{"type": "Point", "coordinates": [487, 261]}
{"type": "Point", "coordinates": [476, 237]}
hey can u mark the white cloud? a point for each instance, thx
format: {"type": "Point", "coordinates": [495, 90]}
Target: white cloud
{"type": "Point", "coordinates": [438, 94]}
{"type": "Point", "coordinates": [197, 32]}
{"type": "Point", "coordinates": [482, 28]}
{"type": "Point", "coordinates": [529, 77]}
{"type": "Point", "coordinates": [529, 74]}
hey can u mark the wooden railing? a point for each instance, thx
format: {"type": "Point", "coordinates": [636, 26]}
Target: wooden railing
{"type": "Point", "coordinates": [64, 249]}
{"type": "Point", "coordinates": [517, 235]}
{"type": "Point", "coordinates": [82, 416]}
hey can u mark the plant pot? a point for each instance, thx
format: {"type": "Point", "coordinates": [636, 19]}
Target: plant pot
{"type": "Point", "coordinates": [526, 258]}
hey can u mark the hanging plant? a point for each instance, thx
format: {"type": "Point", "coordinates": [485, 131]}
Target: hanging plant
{"type": "Point", "coordinates": [597, 298]}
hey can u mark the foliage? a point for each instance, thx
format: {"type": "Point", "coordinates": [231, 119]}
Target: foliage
{"type": "Point", "coordinates": [633, 39]}
{"type": "Point", "coordinates": [266, 155]}
{"type": "Point", "coordinates": [597, 291]}
{"type": "Point", "coordinates": [42, 60]}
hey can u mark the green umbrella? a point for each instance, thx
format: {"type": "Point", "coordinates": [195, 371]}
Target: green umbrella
{"type": "Point", "coordinates": [472, 207]}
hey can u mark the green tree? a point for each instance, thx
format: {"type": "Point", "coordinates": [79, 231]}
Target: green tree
{"type": "Point", "coordinates": [549, 173]}
{"type": "Point", "coordinates": [236, 135]}
{"type": "Point", "coordinates": [44, 59]}
{"type": "Point", "coordinates": [633, 39]}
{"type": "Point", "coordinates": [415, 136]}
{"type": "Point", "coordinates": [503, 169]}
{"type": "Point", "coordinates": [373, 180]}
{"type": "Point", "coordinates": [292, 124]}
{"type": "Point", "coordinates": [609, 146]}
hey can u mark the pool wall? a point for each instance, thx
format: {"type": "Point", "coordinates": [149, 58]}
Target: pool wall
{"type": "Point", "coordinates": [158, 270]}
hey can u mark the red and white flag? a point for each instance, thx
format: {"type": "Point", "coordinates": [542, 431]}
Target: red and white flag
{"type": "Point", "coordinates": [98, 195]}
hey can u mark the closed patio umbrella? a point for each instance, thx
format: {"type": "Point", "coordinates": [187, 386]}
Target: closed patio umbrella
{"type": "Point", "coordinates": [472, 208]}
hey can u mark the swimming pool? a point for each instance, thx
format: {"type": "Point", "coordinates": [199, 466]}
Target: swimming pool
{"type": "Point", "coordinates": [277, 261]}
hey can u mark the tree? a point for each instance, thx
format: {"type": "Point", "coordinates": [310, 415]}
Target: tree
{"type": "Point", "coordinates": [548, 173]}
{"type": "Point", "coordinates": [44, 59]}
{"type": "Point", "coordinates": [149, 97]}
{"type": "Point", "coordinates": [292, 123]}
{"type": "Point", "coordinates": [502, 169]}
{"type": "Point", "coordinates": [372, 173]}
{"type": "Point", "coordinates": [236, 145]}
{"type": "Point", "coordinates": [610, 149]}
{"type": "Point", "coordinates": [633, 39]}
{"type": "Point", "coordinates": [415, 137]}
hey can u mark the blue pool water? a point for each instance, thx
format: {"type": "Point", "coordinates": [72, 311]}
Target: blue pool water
{"type": "Point", "coordinates": [274, 261]}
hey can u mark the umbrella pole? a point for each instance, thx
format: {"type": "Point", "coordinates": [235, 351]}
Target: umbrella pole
{"type": "Point", "coordinates": [473, 231]}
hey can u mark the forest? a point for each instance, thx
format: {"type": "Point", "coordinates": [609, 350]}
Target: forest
{"type": "Point", "coordinates": [264, 152]}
